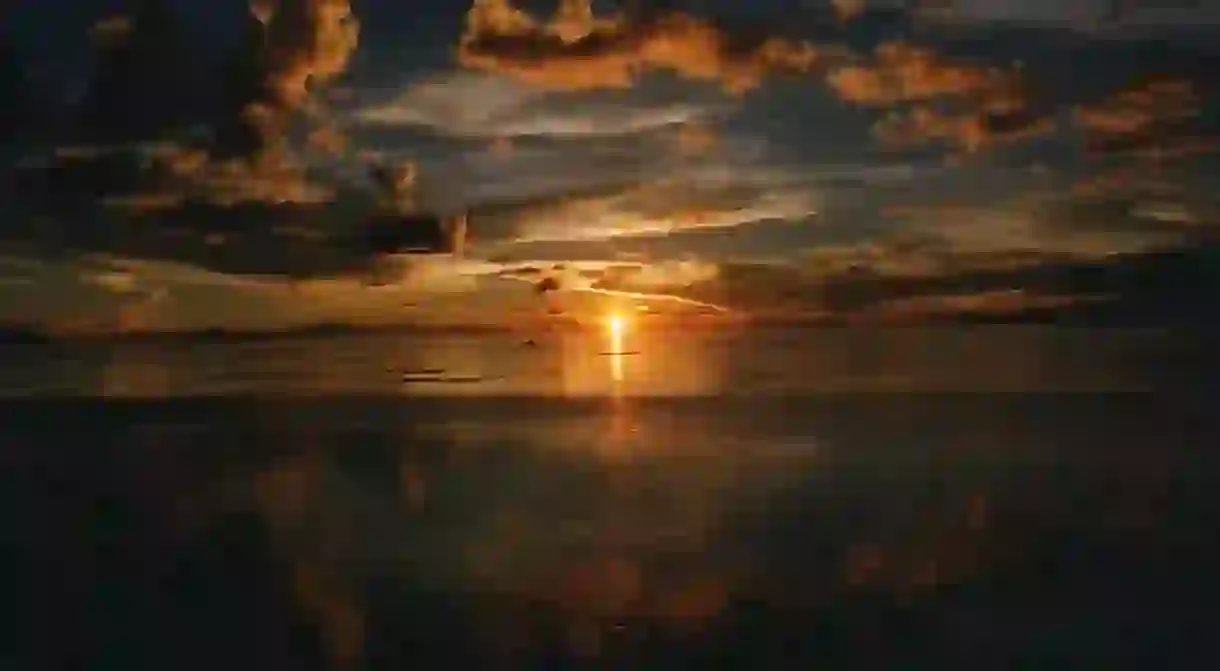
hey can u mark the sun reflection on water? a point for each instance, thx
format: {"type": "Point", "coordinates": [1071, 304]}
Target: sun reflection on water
{"type": "Point", "coordinates": [616, 326]}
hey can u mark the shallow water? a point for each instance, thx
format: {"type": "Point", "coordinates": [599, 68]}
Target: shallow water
{"type": "Point", "coordinates": [737, 500]}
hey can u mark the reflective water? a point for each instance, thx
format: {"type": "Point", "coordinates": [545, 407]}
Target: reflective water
{"type": "Point", "coordinates": [704, 503]}
{"type": "Point", "coordinates": [635, 363]}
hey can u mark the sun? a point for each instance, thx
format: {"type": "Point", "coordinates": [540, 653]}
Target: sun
{"type": "Point", "coordinates": [617, 324]}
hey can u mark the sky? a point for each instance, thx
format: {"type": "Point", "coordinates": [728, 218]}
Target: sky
{"type": "Point", "coordinates": [179, 165]}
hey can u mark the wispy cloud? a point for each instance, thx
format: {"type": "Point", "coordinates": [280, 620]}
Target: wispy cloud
{"type": "Point", "coordinates": [475, 104]}
{"type": "Point", "coordinates": [658, 208]}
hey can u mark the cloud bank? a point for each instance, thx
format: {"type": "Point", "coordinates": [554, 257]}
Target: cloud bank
{"type": "Point", "coordinates": [828, 147]}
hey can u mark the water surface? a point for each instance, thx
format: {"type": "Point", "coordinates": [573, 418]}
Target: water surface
{"type": "Point", "coordinates": [1004, 498]}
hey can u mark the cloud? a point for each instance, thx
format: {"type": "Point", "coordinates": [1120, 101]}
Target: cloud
{"type": "Point", "coordinates": [1079, 224]}
{"type": "Point", "coordinates": [469, 104]}
{"type": "Point", "coordinates": [292, 46]}
{"type": "Point", "coordinates": [1131, 216]}
{"type": "Point", "coordinates": [161, 279]}
{"type": "Point", "coordinates": [1135, 109]}
{"type": "Point", "coordinates": [562, 148]}
{"type": "Point", "coordinates": [102, 292]}
{"type": "Point", "coordinates": [106, 292]}
{"type": "Point", "coordinates": [849, 9]}
{"type": "Point", "coordinates": [111, 30]}
{"type": "Point", "coordinates": [695, 139]}
{"type": "Point", "coordinates": [965, 104]}
{"type": "Point", "coordinates": [901, 72]}
{"type": "Point", "coordinates": [1146, 116]}
{"type": "Point", "coordinates": [996, 303]}
{"type": "Point", "coordinates": [266, 178]}
{"type": "Point", "coordinates": [909, 255]}
{"type": "Point", "coordinates": [223, 215]}
{"type": "Point", "coordinates": [1128, 179]}
{"type": "Point", "coordinates": [577, 51]}
{"type": "Point", "coordinates": [327, 140]}
{"type": "Point", "coordinates": [972, 130]}
{"type": "Point", "coordinates": [880, 283]}
{"type": "Point", "coordinates": [658, 275]}
{"type": "Point", "coordinates": [163, 176]}
{"type": "Point", "coordinates": [1095, 16]}
{"type": "Point", "coordinates": [657, 208]}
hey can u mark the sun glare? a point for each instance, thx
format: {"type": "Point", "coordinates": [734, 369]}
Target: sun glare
{"type": "Point", "coordinates": [616, 325]}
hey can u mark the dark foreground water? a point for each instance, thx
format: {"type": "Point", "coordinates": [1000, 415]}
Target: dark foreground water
{"type": "Point", "coordinates": [903, 499]}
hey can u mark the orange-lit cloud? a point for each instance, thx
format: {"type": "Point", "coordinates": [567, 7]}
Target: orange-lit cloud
{"type": "Point", "coordinates": [293, 47]}
{"type": "Point", "coordinates": [111, 31]}
{"type": "Point", "coordinates": [327, 140]}
{"type": "Point", "coordinates": [848, 9]}
{"type": "Point", "coordinates": [1148, 120]}
{"type": "Point", "coordinates": [973, 130]}
{"type": "Point", "coordinates": [175, 175]}
{"type": "Point", "coordinates": [969, 105]}
{"type": "Point", "coordinates": [302, 43]}
{"type": "Point", "coordinates": [576, 50]}
{"type": "Point", "coordinates": [900, 72]}
{"type": "Point", "coordinates": [654, 208]}
{"type": "Point", "coordinates": [695, 139]}
{"type": "Point", "coordinates": [1137, 109]}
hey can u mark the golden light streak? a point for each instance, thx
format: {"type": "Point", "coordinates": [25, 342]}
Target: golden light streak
{"type": "Point", "coordinates": [655, 297]}
{"type": "Point", "coordinates": [616, 325]}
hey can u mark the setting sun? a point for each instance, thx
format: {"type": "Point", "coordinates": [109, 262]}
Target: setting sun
{"type": "Point", "coordinates": [616, 324]}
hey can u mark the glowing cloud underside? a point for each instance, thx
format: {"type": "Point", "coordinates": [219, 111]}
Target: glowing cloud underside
{"type": "Point", "coordinates": [655, 297]}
